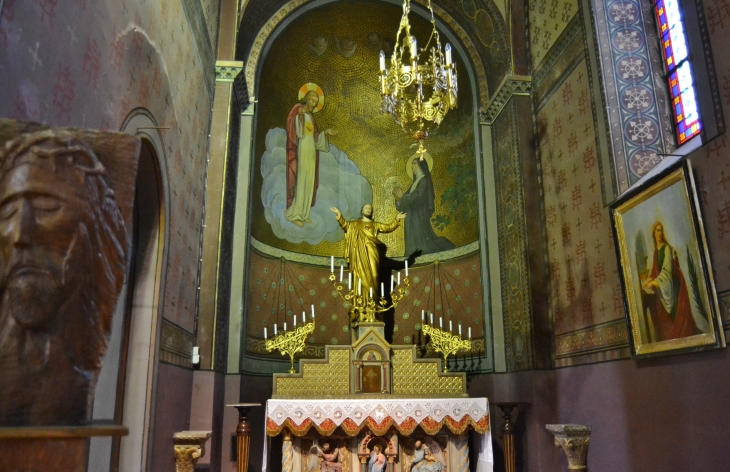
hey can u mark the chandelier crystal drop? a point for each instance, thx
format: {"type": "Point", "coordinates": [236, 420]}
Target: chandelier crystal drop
{"type": "Point", "coordinates": [419, 86]}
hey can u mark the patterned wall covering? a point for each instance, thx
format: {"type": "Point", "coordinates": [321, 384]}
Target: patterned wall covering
{"type": "Point", "coordinates": [583, 267]}
{"type": "Point", "coordinates": [635, 90]}
{"type": "Point", "coordinates": [89, 64]}
{"type": "Point", "coordinates": [512, 241]}
{"type": "Point", "coordinates": [482, 20]}
{"type": "Point", "coordinates": [547, 20]}
{"type": "Point", "coordinates": [212, 19]}
{"type": "Point", "coordinates": [451, 290]}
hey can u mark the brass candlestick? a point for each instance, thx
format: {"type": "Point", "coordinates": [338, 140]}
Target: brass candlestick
{"type": "Point", "coordinates": [364, 308]}
{"type": "Point", "coordinates": [291, 342]}
{"type": "Point", "coordinates": [446, 343]}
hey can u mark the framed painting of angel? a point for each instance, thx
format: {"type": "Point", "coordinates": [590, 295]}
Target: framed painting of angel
{"type": "Point", "coordinates": [669, 296]}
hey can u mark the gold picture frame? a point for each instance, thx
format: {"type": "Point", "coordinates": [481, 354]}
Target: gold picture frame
{"type": "Point", "coordinates": [669, 291]}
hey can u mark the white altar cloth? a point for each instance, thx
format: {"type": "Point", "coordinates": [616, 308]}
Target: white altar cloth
{"type": "Point", "coordinates": [378, 415]}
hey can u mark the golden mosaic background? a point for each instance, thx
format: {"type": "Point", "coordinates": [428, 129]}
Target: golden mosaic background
{"type": "Point", "coordinates": [352, 106]}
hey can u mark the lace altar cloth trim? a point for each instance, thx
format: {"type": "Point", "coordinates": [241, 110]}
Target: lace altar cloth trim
{"type": "Point", "coordinates": [378, 415]}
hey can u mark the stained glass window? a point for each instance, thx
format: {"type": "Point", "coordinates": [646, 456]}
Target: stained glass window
{"type": "Point", "coordinates": [679, 69]}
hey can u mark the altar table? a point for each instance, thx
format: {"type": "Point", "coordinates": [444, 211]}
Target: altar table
{"type": "Point", "coordinates": [456, 415]}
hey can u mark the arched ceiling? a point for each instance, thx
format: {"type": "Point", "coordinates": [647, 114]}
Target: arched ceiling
{"type": "Point", "coordinates": [477, 23]}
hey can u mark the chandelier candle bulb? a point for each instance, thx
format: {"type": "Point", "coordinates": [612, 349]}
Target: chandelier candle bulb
{"type": "Point", "coordinates": [414, 48]}
{"type": "Point", "coordinates": [275, 330]}
{"type": "Point", "coordinates": [371, 292]}
{"type": "Point", "coordinates": [332, 264]}
{"type": "Point", "coordinates": [265, 333]}
{"type": "Point", "coordinates": [406, 267]}
{"type": "Point", "coordinates": [392, 281]}
{"type": "Point", "coordinates": [431, 319]}
{"type": "Point", "coordinates": [359, 287]}
{"type": "Point", "coordinates": [423, 315]}
{"type": "Point", "coordinates": [312, 311]}
{"type": "Point", "coordinates": [382, 289]}
{"type": "Point", "coordinates": [399, 278]}
{"type": "Point", "coordinates": [285, 326]}
{"type": "Point", "coordinates": [342, 268]}
{"type": "Point", "coordinates": [459, 329]}
{"type": "Point", "coordinates": [448, 54]}
{"type": "Point", "coordinates": [451, 326]}
{"type": "Point", "coordinates": [349, 281]}
{"type": "Point", "coordinates": [469, 332]}
{"type": "Point", "coordinates": [295, 320]}
{"type": "Point", "coordinates": [441, 322]}
{"type": "Point", "coordinates": [382, 61]}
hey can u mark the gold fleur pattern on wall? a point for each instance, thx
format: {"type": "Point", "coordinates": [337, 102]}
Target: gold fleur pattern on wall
{"type": "Point", "coordinates": [583, 271]}
{"type": "Point", "coordinates": [547, 20]}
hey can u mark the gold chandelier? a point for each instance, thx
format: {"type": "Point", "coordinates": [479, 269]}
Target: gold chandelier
{"type": "Point", "coordinates": [418, 88]}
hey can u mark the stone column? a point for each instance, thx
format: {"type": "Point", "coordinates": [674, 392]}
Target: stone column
{"type": "Point", "coordinates": [287, 452]}
{"type": "Point", "coordinates": [189, 447]}
{"type": "Point", "coordinates": [574, 439]}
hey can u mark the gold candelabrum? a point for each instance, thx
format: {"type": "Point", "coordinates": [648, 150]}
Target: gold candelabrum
{"type": "Point", "coordinates": [446, 343]}
{"type": "Point", "coordinates": [418, 90]}
{"type": "Point", "coordinates": [290, 343]}
{"type": "Point", "coordinates": [363, 307]}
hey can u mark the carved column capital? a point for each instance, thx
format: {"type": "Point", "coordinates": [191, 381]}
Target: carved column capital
{"type": "Point", "coordinates": [574, 439]}
{"type": "Point", "coordinates": [189, 447]}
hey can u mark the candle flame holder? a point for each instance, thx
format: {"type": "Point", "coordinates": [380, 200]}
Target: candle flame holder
{"type": "Point", "coordinates": [364, 308]}
{"type": "Point", "coordinates": [446, 343]}
{"type": "Point", "coordinates": [290, 343]}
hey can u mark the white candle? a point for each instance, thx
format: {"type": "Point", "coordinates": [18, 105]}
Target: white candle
{"type": "Point", "coordinates": [451, 326]}
{"type": "Point", "coordinates": [398, 278]}
{"type": "Point", "coordinates": [295, 320]}
{"type": "Point", "coordinates": [448, 54]}
{"type": "Point", "coordinates": [274, 330]}
{"type": "Point", "coordinates": [312, 311]}
{"type": "Point", "coordinates": [371, 292]}
{"type": "Point", "coordinates": [392, 281]}
{"type": "Point", "coordinates": [359, 287]}
{"type": "Point", "coordinates": [423, 315]}
{"type": "Point", "coordinates": [342, 268]}
{"type": "Point", "coordinates": [265, 332]}
{"type": "Point", "coordinates": [441, 322]}
{"type": "Point", "coordinates": [406, 267]}
{"type": "Point", "coordinates": [382, 60]}
{"type": "Point", "coordinates": [332, 264]}
{"type": "Point", "coordinates": [459, 329]}
{"type": "Point", "coordinates": [414, 48]}
{"type": "Point", "coordinates": [431, 319]}
{"type": "Point", "coordinates": [382, 289]}
{"type": "Point", "coordinates": [469, 332]}
{"type": "Point", "coordinates": [285, 326]}
{"type": "Point", "coordinates": [349, 281]}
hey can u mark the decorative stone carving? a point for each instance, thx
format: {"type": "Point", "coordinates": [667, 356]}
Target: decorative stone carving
{"type": "Point", "coordinates": [189, 447]}
{"type": "Point", "coordinates": [65, 204]}
{"type": "Point", "coordinates": [574, 439]}
{"type": "Point", "coordinates": [226, 71]}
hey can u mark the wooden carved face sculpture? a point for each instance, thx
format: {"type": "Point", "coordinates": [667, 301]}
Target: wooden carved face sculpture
{"type": "Point", "coordinates": [63, 246]}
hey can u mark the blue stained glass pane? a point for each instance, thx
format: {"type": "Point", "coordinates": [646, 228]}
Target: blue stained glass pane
{"type": "Point", "coordinates": [681, 83]}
